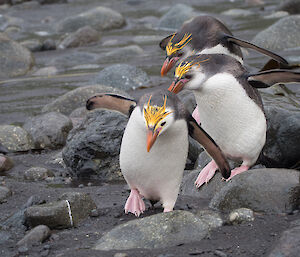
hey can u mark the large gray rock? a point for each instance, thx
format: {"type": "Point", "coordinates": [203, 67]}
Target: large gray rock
{"type": "Point", "coordinates": [206, 191]}
{"type": "Point", "coordinates": [290, 6]}
{"type": "Point", "coordinates": [15, 138]}
{"type": "Point", "coordinates": [283, 34]}
{"type": "Point", "coordinates": [288, 245]}
{"type": "Point", "coordinates": [123, 76]}
{"type": "Point", "coordinates": [175, 17]}
{"type": "Point", "coordinates": [93, 148]}
{"type": "Point", "coordinates": [49, 130]}
{"type": "Point", "coordinates": [99, 18]}
{"type": "Point", "coordinates": [72, 208]}
{"type": "Point", "coordinates": [35, 236]}
{"type": "Point", "coordinates": [283, 135]}
{"type": "Point", "coordinates": [81, 37]}
{"type": "Point", "coordinates": [15, 60]}
{"type": "Point", "coordinates": [76, 98]}
{"type": "Point", "coordinates": [123, 53]}
{"type": "Point", "coordinates": [157, 231]}
{"type": "Point", "coordinates": [4, 193]}
{"type": "Point", "coordinates": [262, 190]}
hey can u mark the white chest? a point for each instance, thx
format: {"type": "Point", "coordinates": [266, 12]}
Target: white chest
{"type": "Point", "coordinates": [160, 170]}
{"type": "Point", "coordinates": [231, 117]}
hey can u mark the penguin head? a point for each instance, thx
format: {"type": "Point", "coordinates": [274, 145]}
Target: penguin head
{"type": "Point", "coordinates": [157, 118]}
{"type": "Point", "coordinates": [189, 74]}
{"type": "Point", "coordinates": [176, 48]}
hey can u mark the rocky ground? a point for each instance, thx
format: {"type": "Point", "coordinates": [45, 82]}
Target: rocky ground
{"type": "Point", "coordinates": [61, 189]}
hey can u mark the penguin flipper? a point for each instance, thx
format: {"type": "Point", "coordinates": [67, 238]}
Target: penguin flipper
{"type": "Point", "coordinates": [210, 146]}
{"type": "Point", "coordinates": [273, 64]}
{"type": "Point", "coordinates": [246, 44]}
{"type": "Point", "coordinates": [269, 78]}
{"type": "Point", "coordinates": [113, 102]}
{"type": "Point", "coordinates": [165, 41]}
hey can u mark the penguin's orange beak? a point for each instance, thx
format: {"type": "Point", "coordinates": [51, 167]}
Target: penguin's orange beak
{"type": "Point", "coordinates": [151, 137]}
{"type": "Point", "coordinates": [176, 87]}
{"type": "Point", "coordinates": [168, 65]}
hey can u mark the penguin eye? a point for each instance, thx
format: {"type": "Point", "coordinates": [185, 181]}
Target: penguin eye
{"type": "Point", "coordinates": [188, 76]}
{"type": "Point", "coordinates": [162, 124]}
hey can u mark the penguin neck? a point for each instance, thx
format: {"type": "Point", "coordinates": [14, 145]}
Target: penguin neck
{"type": "Point", "coordinates": [220, 49]}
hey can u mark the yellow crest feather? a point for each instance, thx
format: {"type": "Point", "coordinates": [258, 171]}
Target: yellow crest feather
{"type": "Point", "coordinates": [185, 66]}
{"type": "Point", "coordinates": [173, 48]}
{"type": "Point", "coordinates": [153, 114]}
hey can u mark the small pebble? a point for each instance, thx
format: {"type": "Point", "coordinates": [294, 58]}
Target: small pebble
{"type": "Point", "coordinates": [94, 213]}
{"type": "Point", "coordinates": [23, 249]}
{"type": "Point", "coordinates": [89, 184]}
{"type": "Point", "coordinates": [241, 215]}
{"type": "Point", "coordinates": [81, 186]}
{"type": "Point", "coordinates": [220, 253]}
{"type": "Point", "coordinates": [121, 255]}
{"type": "Point", "coordinates": [44, 253]}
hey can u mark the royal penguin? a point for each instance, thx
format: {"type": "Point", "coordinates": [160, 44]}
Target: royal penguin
{"type": "Point", "coordinates": [230, 106]}
{"type": "Point", "coordinates": [207, 35]}
{"type": "Point", "coordinates": [154, 146]}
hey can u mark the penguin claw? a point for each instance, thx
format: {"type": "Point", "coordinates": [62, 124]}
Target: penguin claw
{"type": "Point", "coordinates": [135, 203]}
{"type": "Point", "coordinates": [206, 174]}
{"type": "Point", "coordinates": [237, 171]}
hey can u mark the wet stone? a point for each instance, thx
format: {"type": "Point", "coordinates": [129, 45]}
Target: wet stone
{"type": "Point", "coordinates": [211, 218]}
{"type": "Point", "coordinates": [175, 17]}
{"type": "Point", "coordinates": [76, 98]}
{"type": "Point", "coordinates": [206, 191]}
{"type": "Point", "coordinates": [97, 141]}
{"type": "Point", "coordinates": [15, 60]}
{"type": "Point", "coordinates": [283, 134]}
{"type": "Point", "coordinates": [156, 231]}
{"type": "Point", "coordinates": [34, 45]}
{"type": "Point", "coordinates": [48, 44]}
{"type": "Point", "coordinates": [37, 174]}
{"type": "Point", "coordinates": [123, 76]}
{"type": "Point", "coordinates": [81, 37]}
{"type": "Point", "coordinates": [281, 35]}
{"type": "Point", "coordinates": [261, 190]}
{"type": "Point", "coordinates": [15, 138]}
{"type": "Point", "coordinates": [240, 215]}
{"type": "Point", "coordinates": [65, 213]}
{"type": "Point", "coordinates": [46, 71]}
{"type": "Point", "coordinates": [238, 13]}
{"type": "Point", "coordinates": [49, 130]}
{"type": "Point", "coordinates": [4, 193]}
{"type": "Point", "coordinates": [288, 245]}
{"type": "Point", "coordinates": [123, 53]}
{"type": "Point", "coordinates": [5, 163]}
{"type": "Point", "coordinates": [35, 236]}
{"type": "Point", "coordinates": [100, 18]}
{"type": "Point", "coordinates": [290, 6]}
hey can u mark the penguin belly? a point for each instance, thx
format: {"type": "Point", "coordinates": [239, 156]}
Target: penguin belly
{"type": "Point", "coordinates": [231, 118]}
{"type": "Point", "coordinates": [156, 174]}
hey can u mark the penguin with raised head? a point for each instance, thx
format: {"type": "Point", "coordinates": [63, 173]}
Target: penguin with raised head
{"type": "Point", "coordinates": [207, 35]}
{"type": "Point", "coordinates": [230, 107]}
{"type": "Point", "coordinates": [155, 145]}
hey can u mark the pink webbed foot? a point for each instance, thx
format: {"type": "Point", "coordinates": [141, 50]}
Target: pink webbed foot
{"type": "Point", "coordinates": [135, 203]}
{"type": "Point", "coordinates": [206, 174]}
{"type": "Point", "coordinates": [238, 170]}
{"type": "Point", "coordinates": [196, 115]}
{"type": "Point", "coordinates": [168, 209]}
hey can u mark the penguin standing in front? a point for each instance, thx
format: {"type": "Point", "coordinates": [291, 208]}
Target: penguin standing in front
{"type": "Point", "coordinates": [230, 106]}
{"type": "Point", "coordinates": [207, 35]}
{"type": "Point", "coordinates": [155, 146]}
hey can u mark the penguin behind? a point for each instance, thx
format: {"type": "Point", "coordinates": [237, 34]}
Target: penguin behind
{"type": "Point", "coordinates": [207, 35]}
{"type": "Point", "coordinates": [155, 145]}
{"type": "Point", "coordinates": [229, 105]}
